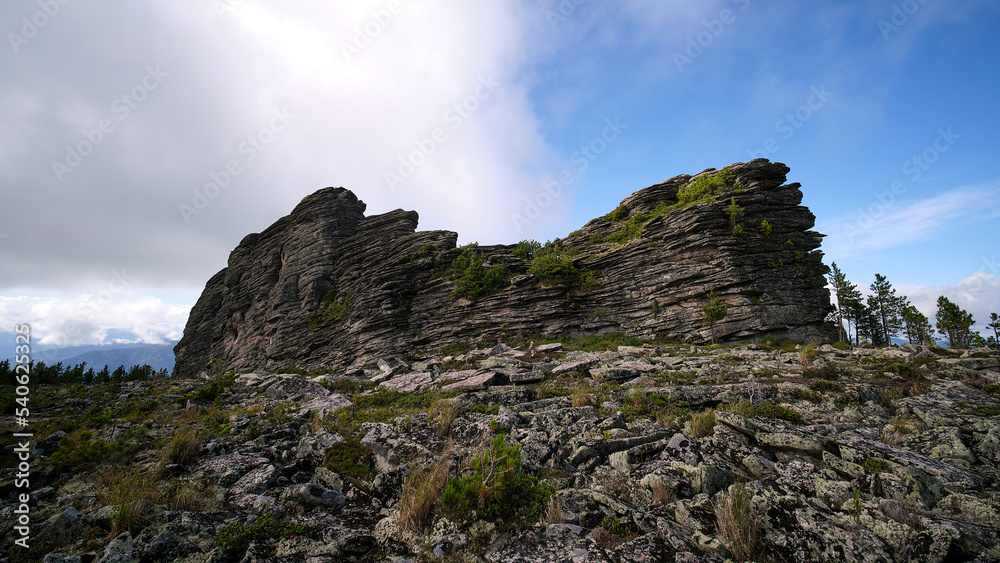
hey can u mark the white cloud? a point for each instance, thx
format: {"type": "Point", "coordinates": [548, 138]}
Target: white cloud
{"type": "Point", "coordinates": [884, 222]}
{"type": "Point", "coordinates": [978, 294]}
{"type": "Point", "coordinates": [88, 319]}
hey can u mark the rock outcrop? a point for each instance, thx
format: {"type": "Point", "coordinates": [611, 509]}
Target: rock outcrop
{"type": "Point", "coordinates": [326, 286]}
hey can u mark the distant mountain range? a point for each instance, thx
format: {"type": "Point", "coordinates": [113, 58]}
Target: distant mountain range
{"type": "Point", "coordinates": [158, 356]}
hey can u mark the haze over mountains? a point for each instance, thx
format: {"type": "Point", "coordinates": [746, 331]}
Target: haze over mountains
{"type": "Point", "coordinates": [157, 356]}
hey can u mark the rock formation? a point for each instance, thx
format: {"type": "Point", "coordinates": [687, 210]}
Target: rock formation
{"type": "Point", "coordinates": [327, 286]}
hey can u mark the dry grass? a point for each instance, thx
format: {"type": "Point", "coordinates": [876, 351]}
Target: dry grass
{"type": "Point", "coordinates": [737, 519]}
{"type": "Point", "coordinates": [662, 493]}
{"type": "Point", "coordinates": [554, 513]}
{"type": "Point", "coordinates": [129, 491]}
{"type": "Point", "coordinates": [442, 416]}
{"type": "Point", "coordinates": [183, 448]}
{"type": "Point", "coordinates": [585, 397]}
{"type": "Point", "coordinates": [184, 496]}
{"type": "Point", "coordinates": [422, 493]}
{"type": "Point", "coordinates": [703, 424]}
{"type": "Point", "coordinates": [808, 353]}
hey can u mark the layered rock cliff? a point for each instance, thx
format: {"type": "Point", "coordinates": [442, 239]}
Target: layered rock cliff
{"type": "Point", "coordinates": [327, 286]}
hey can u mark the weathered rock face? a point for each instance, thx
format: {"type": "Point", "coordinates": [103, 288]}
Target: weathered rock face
{"type": "Point", "coordinates": [386, 279]}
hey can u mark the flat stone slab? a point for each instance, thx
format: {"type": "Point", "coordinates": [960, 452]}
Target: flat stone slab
{"type": "Point", "coordinates": [409, 382]}
{"type": "Point", "coordinates": [477, 382]}
{"type": "Point", "coordinates": [579, 365]}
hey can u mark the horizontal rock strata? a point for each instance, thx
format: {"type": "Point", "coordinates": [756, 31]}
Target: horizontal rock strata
{"type": "Point", "coordinates": [386, 287]}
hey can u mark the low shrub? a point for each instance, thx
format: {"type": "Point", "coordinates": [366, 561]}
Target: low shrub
{"type": "Point", "coordinates": [828, 372]}
{"type": "Point", "coordinates": [552, 268]}
{"type": "Point", "coordinates": [706, 187]}
{"type": "Point", "coordinates": [612, 533]}
{"type": "Point", "coordinates": [823, 385]}
{"type": "Point", "coordinates": [620, 213]}
{"type": "Point", "coordinates": [526, 249]}
{"type": "Point", "coordinates": [496, 489]}
{"type": "Point", "coordinates": [473, 280]}
{"type": "Point", "coordinates": [874, 466]}
{"type": "Point", "coordinates": [764, 410]}
{"type": "Point", "coordinates": [350, 460]}
{"type": "Point", "coordinates": [236, 537]}
{"type": "Point", "coordinates": [771, 410]}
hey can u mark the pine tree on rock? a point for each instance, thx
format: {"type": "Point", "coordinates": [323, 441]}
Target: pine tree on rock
{"type": "Point", "coordinates": [995, 325]}
{"type": "Point", "coordinates": [885, 306]}
{"type": "Point", "coordinates": [918, 328]}
{"type": "Point", "coordinates": [714, 311]}
{"type": "Point", "coordinates": [954, 322]}
{"type": "Point", "coordinates": [846, 294]}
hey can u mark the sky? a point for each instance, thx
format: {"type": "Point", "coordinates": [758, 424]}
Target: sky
{"type": "Point", "coordinates": [140, 142]}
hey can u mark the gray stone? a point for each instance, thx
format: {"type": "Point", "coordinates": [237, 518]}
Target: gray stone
{"type": "Point", "coordinates": [120, 550]}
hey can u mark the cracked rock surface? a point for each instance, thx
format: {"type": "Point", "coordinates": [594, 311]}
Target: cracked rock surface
{"type": "Point", "coordinates": [753, 452]}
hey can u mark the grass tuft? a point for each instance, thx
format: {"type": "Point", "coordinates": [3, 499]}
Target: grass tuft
{"type": "Point", "coordinates": [738, 523]}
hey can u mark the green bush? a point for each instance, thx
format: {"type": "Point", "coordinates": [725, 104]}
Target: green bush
{"type": "Point", "coordinates": [823, 385]}
{"type": "Point", "coordinates": [619, 214]}
{"type": "Point", "coordinates": [555, 269]}
{"type": "Point", "coordinates": [237, 536]}
{"type": "Point", "coordinates": [631, 230]}
{"type": "Point", "coordinates": [526, 249]}
{"type": "Point", "coordinates": [771, 410]}
{"type": "Point", "coordinates": [473, 279]}
{"type": "Point", "coordinates": [706, 187]}
{"type": "Point", "coordinates": [496, 489]}
{"type": "Point", "coordinates": [331, 308]}
{"type": "Point", "coordinates": [903, 370]}
{"type": "Point", "coordinates": [211, 391]}
{"type": "Point", "coordinates": [350, 459]}
{"type": "Point", "coordinates": [828, 372]}
{"type": "Point", "coordinates": [83, 447]}
{"type": "Point", "coordinates": [765, 410]}
{"type": "Point", "coordinates": [765, 228]}
{"type": "Point", "coordinates": [874, 466]}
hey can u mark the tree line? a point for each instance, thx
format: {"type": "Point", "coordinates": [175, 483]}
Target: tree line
{"type": "Point", "coordinates": [883, 315]}
{"type": "Point", "coordinates": [42, 374]}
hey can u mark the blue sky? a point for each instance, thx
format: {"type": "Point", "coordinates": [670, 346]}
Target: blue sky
{"type": "Point", "coordinates": [884, 111]}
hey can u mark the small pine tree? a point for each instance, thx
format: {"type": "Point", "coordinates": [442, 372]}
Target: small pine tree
{"type": "Point", "coordinates": [954, 322]}
{"type": "Point", "coordinates": [995, 325]}
{"type": "Point", "coordinates": [714, 311]}
{"type": "Point", "coordinates": [916, 326]}
{"type": "Point", "coordinates": [846, 293]}
{"type": "Point", "coordinates": [885, 306]}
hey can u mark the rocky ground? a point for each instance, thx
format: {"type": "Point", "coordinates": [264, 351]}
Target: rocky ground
{"type": "Point", "coordinates": [759, 452]}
